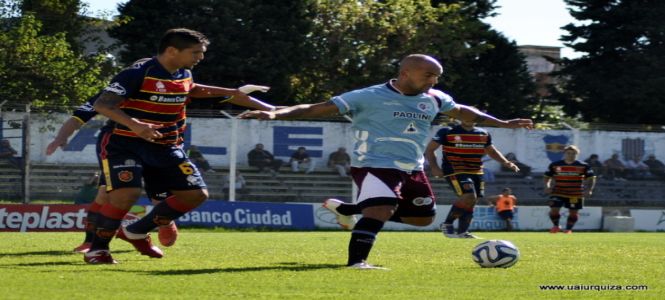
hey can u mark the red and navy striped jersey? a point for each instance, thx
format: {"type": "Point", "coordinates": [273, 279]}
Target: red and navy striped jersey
{"type": "Point", "coordinates": [463, 150]}
{"type": "Point", "coordinates": [86, 111]}
{"type": "Point", "coordinates": [569, 178]}
{"type": "Point", "coordinates": [153, 95]}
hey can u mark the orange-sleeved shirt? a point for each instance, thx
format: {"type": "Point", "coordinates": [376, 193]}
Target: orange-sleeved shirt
{"type": "Point", "coordinates": [504, 203]}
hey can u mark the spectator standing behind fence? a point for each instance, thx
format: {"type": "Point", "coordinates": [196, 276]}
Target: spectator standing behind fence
{"type": "Point", "coordinates": [525, 170]}
{"type": "Point", "coordinates": [505, 206]}
{"type": "Point", "coordinates": [595, 164]}
{"type": "Point", "coordinates": [260, 158]}
{"type": "Point", "coordinates": [614, 168]}
{"type": "Point", "coordinates": [197, 158]}
{"type": "Point", "coordinates": [341, 161]}
{"type": "Point", "coordinates": [8, 153]}
{"type": "Point", "coordinates": [656, 167]}
{"type": "Point", "coordinates": [300, 159]}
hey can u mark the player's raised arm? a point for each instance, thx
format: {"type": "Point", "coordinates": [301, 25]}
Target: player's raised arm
{"type": "Point", "coordinates": [467, 113]}
{"type": "Point", "coordinates": [298, 111]}
{"type": "Point", "coordinates": [238, 97]}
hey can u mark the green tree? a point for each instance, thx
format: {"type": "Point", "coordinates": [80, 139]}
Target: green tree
{"type": "Point", "coordinates": [310, 50]}
{"type": "Point", "coordinates": [42, 69]}
{"type": "Point", "coordinates": [257, 41]}
{"type": "Point", "coordinates": [495, 80]}
{"type": "Point", "coordinates": [58, 16]}
{"type": "Point", "coordinates": [357, 43]}
{"type": "Point", "coordinates": [624, 65]}
{"type": "Point", "coordinates": [493, 76]}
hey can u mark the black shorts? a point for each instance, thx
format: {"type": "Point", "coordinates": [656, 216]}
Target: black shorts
{"type": "Point", "coordinates": [125, 161]}
{"type": "Point", "coordinates": [505, 214]}
{"type": "Point", "coordinates": [149, 190]}
{"type": "Point", "coordinates": [466, 184]}
{"type": "Point", "coordinates": [411, 192]}
{"type": "Point", "coordinates": [569, 203]}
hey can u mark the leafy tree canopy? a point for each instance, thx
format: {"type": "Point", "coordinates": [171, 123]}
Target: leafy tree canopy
{"type": "Point", "coordinates": [621, 79]}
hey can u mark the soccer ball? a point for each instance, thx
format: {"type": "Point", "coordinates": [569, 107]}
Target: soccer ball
{"type": "Point", "coordinates": [495, 254]}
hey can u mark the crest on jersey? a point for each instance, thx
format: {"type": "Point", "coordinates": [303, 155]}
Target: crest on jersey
{"type": "Point", "coordinates": [161, 87]}
{"type": "Point", "coordinates": [411, 128]}
{"type": "Point", "coordinates": [554, 145]}
{"type": "Point", "coordinates": [125, 176]}
{"type": "Point", "coordinates": [457, 138]}
{"type": "Point", "coordinates": [424, 106]}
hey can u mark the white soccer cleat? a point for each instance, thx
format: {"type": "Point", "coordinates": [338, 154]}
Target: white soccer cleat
{"type": "Point", "coordinates": [365, 266]}
{"type": "Point", "coordinates": [346, 222]}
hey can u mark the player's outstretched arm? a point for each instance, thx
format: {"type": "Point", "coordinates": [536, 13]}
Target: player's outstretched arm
{"type": "Point", "coordinates": [68, 128]}
{"type": "Point", "coordinates": [322, 109]}
{"type": "Point", "coordinates": [238, 97]}
{"type": "Point", "coordinates": [468, 113]}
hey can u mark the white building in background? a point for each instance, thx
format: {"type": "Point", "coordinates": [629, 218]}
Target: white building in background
{"type": "Point", "coordinates": [541, 61]}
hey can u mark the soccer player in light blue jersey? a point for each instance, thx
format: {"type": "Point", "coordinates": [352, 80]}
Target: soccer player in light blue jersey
{"type": "Point", "coordinates": [392, 123]}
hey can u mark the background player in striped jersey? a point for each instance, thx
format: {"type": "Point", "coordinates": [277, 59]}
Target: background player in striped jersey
{"type": "Point", "coordinates": [463, 147]}
{"type": "Point", "coordinates": [573, 181]}
{"type": "Point", "coordinates": [392, 123]}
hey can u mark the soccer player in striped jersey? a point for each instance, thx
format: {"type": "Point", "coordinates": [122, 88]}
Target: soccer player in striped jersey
{"type": "Point", "coordinates": [568, 182]}
{"type": "Point", "coordinates": [146, 105]}
{"type": "Point", "coordinates": [391, 123]}
{"type": "Point", "coordinates": [463, 148]}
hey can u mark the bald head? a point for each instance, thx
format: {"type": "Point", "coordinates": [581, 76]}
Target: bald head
{"type": "Point", "coordinates": [419, 61]}
{"type": "Point", "coordinates": [417, 74]}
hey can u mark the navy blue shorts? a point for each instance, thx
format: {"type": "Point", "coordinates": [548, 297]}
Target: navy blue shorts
{"type": "Point", "coordinates": [411, 192]}
{"type": "Point", "coordinates": [125, 161]}
{"type": "Point", "coordinates": [505, 214]}
{"type": "Point", "coordinates": [569, 203]}
{"type": "Point", "coordinates": [466, 184]}
{"type": "Point", "coordinates": [149, 190]}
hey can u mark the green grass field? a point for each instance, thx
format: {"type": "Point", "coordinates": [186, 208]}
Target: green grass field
{"type": "Point", "coordinates": [207, 264]}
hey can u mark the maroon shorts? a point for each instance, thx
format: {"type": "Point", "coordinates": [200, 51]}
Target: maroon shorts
{"type": "Point", "coordinates": [411, 191]}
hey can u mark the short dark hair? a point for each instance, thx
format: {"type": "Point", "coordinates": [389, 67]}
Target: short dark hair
{"type": "Point", "coordinates": [181, 38]}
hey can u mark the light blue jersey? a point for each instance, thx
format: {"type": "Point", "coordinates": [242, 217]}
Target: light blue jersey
{"type": "Point", "coordinates": [391, 129]}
